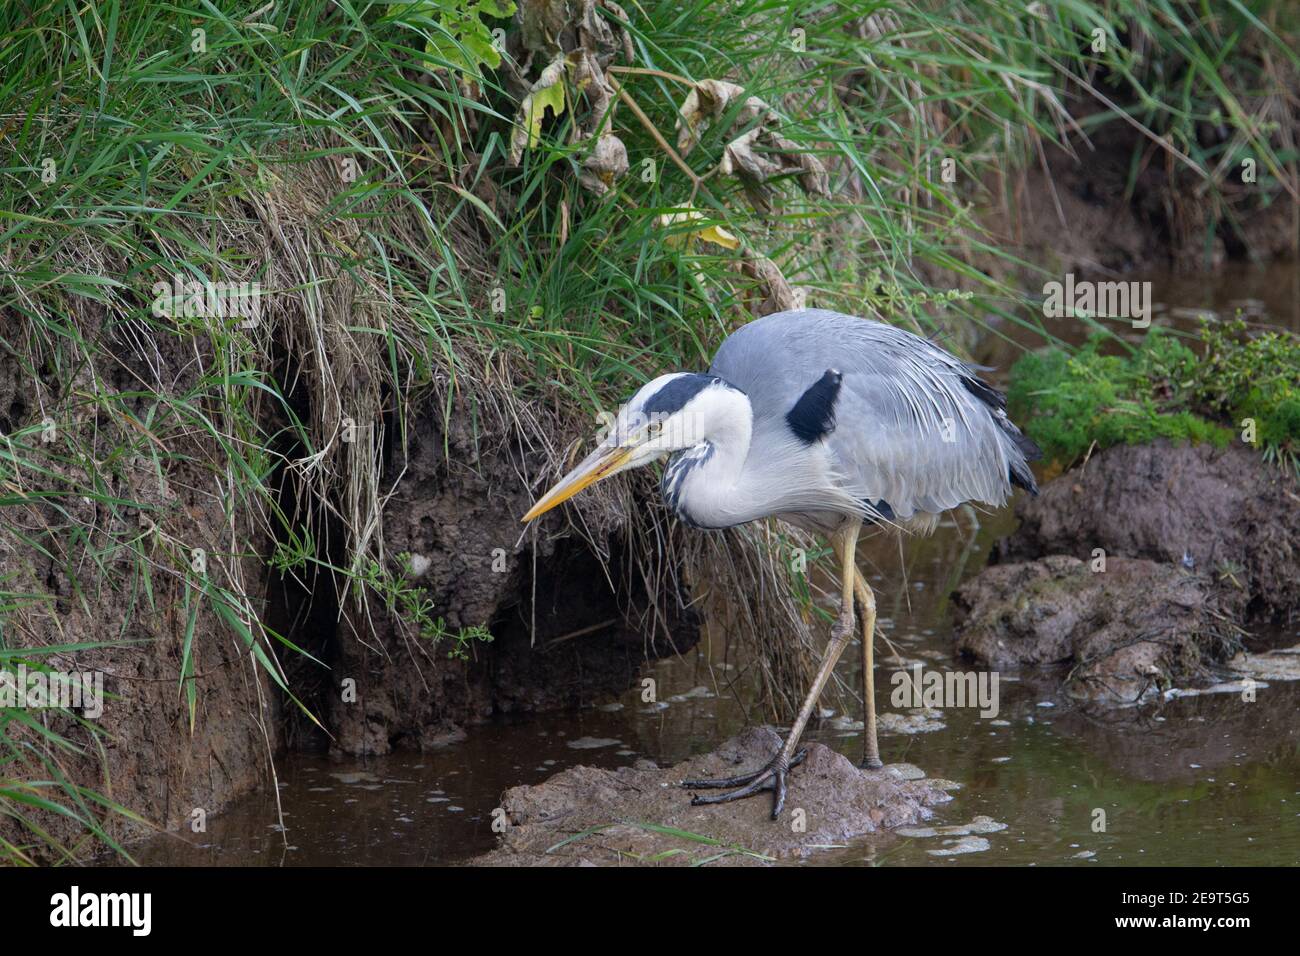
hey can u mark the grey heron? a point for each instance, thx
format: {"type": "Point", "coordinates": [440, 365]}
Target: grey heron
{"type": "Point", "coordinates": [826, 421]}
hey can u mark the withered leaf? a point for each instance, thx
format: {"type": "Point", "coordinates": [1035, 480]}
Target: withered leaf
{"type": "Point", "coordinates": [763, 154]}
{"type": "Point", "coordinates": [546, 93]}
{"type": "Point", "coordinates": [607, 162]}
{"type": "Point", "coordinates": [778, 296]}
{"type": "Point", "coordinates": [755, 156]}
{"type": "Point", "coordinates": [705, 104]}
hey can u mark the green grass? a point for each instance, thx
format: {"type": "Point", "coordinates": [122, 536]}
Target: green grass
{"type": "Point", "coordinates": [133, 152]}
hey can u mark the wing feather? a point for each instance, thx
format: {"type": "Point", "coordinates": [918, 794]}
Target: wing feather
{"type": "Point", "coordinates": [911, 428]}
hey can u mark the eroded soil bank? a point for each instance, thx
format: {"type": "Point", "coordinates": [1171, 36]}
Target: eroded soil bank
{"type": "Point", "coordinates": [113, 597]}
{"type": "Point", "coordinates": [123, 598]}
{"type": "Point", "coordinates": [1146, 568]}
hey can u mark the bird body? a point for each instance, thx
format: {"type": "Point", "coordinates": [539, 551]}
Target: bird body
{"type": "Point", "coordinates": [845, 417]}
{"type": "Point", "coordinates": [827, 421]}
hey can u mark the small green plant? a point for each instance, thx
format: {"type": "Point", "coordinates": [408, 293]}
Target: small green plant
{"type": "Point", "coordinates": [413, 604]}
{"type": "Point", "coordinates": [1254, 379]}
{"type": "Point", "coordinates": [1068, 403]}
{"type": "Point", "coordinates": [460, 38]}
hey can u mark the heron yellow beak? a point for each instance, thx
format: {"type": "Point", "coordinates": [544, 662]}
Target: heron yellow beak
{"type": "Point", "coordinates": [601, 463]}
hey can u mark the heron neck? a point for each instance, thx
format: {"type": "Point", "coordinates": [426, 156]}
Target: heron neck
{"type": "Point", "coordinates": [704, 484]}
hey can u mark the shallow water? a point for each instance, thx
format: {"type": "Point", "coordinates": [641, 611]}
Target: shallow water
{"type": "Point", "coordinates": [1199, 780]}
{"type": "Point", "coordinates": [1261, 295]}
{"type": "Point", "coordinates": [1208, 780]}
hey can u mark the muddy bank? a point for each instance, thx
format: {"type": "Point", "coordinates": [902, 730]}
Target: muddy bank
{"type": "Point", "coordinates": [1079, 211]}
{"type": "Point", "coordinates": [1140, 570]}
{"type": "Point", "coordinates": [91, 510]}
{"type": "Point", "coordinates": [585, 816]}
{"type": "Point", "coordinates": [455, 508]}
{"type": "Point", "coordinates": [1135, 626]}
{"type": "Point", "coordinates": [1224, 512]}
{"type": "Point", "coordinates": [559, 618]}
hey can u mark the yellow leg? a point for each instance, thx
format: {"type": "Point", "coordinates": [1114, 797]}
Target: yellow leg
{"type": "Point", "coordinates": [867, 600]}
{"type": "Point", "coordinates": [773, 775]}
{"type": "Point", "coordinates": [845, 544]}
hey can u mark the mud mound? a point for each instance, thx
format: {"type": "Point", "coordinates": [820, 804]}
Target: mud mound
{"type": "Point", "coordinates": [1225, 512]}
{"type": "Point", "coordinates": [1135, 626]}
{"type": "Point", "coordinates": [586, 816]}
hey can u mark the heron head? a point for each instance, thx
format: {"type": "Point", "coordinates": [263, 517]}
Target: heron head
{"type": "Point", "coordinates": [666, 415]}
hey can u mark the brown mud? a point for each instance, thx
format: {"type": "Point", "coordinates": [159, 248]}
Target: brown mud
{"type": "Point", "coordinates": [558, 618]}
{"type": "Point", "coordinates": [1136, 626]}
{"type": "Point", "coordinates": [1221, 511]}
{"type": "Point", "coordinates": [641, 815]}
{"type": "Point", "coordinates": [1074, 211]}
{"type": "Point", "coordinates": [1142, 569]}
{"type": "Point", "coordinates": [148, 757]}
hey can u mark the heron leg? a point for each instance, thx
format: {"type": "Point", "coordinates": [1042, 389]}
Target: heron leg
{"type": "Point", "coordinates": [772, 775]}
{"type": "Point", "coordinates": [867, 601]}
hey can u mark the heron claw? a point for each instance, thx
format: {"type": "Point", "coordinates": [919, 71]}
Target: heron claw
{"type": "Point", "coordinates": [770, 777]}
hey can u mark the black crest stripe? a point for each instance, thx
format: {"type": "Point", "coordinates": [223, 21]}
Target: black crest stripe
{"type": "Point", "coordinates": [674, 395]}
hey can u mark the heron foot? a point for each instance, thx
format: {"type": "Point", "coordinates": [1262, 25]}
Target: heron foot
{"type": "Point", "coordinates": [870, 763]}
{"type": "Point", "coordinates": [770, 777]}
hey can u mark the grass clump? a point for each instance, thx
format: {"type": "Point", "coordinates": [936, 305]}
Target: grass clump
{"type": "Point", "coordinates": [1254, 379]}
{"type": "Point", "coordinates": [1162, 388]}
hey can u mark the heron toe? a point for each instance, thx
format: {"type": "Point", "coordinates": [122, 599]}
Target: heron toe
{"type": "Point", "coordinates": [770, 777]}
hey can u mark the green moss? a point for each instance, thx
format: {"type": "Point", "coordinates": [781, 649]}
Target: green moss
{"type": "Point", "coordinates": [1254, 380]}
{"type": "Point", "coordinates": [1161, 389]}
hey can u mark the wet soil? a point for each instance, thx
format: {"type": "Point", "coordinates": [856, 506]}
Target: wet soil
{"type": "Point", "coordinates": [1144, 568]}
{"type": "Point", "coordinates": [1124, 629]}
{"type": "Point", "coordinates": [1225, 512]}
{"type": "Point", "coordinates": [567, 819]}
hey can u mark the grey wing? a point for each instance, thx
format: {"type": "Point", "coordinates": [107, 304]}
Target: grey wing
{"type": "Point", "coordinates": [913, 426]}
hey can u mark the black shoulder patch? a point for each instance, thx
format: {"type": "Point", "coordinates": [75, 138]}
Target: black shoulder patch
{"type": "Point", "coordinates": [813, 417]}
{"type": "Point", "coordinates": [882, 508]}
